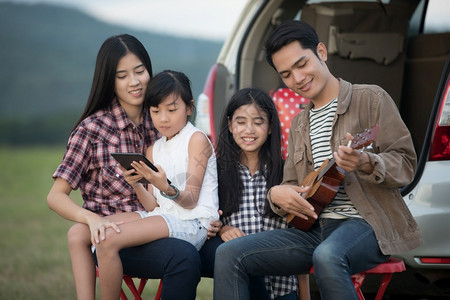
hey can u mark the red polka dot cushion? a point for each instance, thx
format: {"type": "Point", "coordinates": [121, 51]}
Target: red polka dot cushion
{"type": "Point", "coordinates": [288, 104]}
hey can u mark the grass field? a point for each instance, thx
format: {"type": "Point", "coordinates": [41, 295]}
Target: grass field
{"type": "Point", "coordinates": [34, 260]}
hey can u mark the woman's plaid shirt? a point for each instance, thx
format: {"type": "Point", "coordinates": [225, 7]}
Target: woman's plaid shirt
{"type": "Point", "coordinates": [87, 163]}
{"type": "Point", "coordinates": [251, 219]}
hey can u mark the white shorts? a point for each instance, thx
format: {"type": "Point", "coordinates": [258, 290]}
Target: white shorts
{"type": "Point", "coordinates": [191, 231]}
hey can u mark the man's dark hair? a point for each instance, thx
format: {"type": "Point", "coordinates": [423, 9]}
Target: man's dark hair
{"type": "Point", "coordinates": [289, 32]}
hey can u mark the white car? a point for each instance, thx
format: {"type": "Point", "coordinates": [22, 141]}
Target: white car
{"type": "Point", "coordinates": [403, 46]}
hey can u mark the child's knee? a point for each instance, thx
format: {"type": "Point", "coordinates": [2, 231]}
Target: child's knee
{"type": "Point", "coordinates": [78, 234]}
{"type": "Point", "coordinates": [111, 243]}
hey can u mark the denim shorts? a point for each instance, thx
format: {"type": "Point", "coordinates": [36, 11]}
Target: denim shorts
{"type": "Point", "coordinates": [191, 231]}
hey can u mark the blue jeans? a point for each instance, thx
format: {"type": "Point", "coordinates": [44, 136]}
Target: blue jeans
{"type": "Point", "coordinates": [257, 288]}
{"type": "Point", "coordinates": [337, 248]}
{"type": "Point", "coordinates": [176, 261]}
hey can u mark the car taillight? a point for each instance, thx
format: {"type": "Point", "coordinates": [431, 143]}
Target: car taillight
{"type": "Point", "coordinates": [435, 260]}
{"type": "Point", "coordinates": [205, 106]}
{"type": "Point", "coordinates": [440, 143]}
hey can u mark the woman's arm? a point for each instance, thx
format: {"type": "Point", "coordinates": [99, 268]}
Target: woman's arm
{"type": "Point", "coordinates": [59, 201]}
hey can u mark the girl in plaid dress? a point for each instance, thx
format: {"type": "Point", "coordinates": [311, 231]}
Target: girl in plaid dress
{"type": "Point", "coordinates": [249, 163]}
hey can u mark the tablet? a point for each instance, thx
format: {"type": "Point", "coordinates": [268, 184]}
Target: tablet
{"type": "Point", "coordinates": [125, 159]}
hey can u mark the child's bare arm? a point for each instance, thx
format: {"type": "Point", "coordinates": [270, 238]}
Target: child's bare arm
{"type": "Point", "coordinates": [228, 232]}
{"type": "Point", "coordinates": [145, 196]}
{"type": "Point", "coordinates": [200, 150]}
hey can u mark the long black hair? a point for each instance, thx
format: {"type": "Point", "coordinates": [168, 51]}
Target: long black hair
{"type": "Point", "coordinates": [228, 152]}
{"type": "Point", "coordinates": [108, 57]}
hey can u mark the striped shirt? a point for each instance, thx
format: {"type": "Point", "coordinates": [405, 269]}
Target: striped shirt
{"type": "Point", "coordinates": [87, 163]}
{"type": "Point", "coordinates": [321, 122]}
{"type": "Point", "coordinates": [251, 219]}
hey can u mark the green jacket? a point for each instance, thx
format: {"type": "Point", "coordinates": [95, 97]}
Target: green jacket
{"type": "Point", "coordinates": [376, 196]}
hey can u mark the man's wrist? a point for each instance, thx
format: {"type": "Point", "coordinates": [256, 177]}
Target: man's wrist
{"type": "Point", "coordinates": [364, 163]}
{"type": "Point", "coordinates": [270, 198]}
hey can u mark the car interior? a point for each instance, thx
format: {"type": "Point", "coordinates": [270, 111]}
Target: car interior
{"type": "Point", "coordinates": [367, 42]}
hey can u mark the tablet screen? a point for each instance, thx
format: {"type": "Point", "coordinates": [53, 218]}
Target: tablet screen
{"type": "Point", "coordinates": [125, 159]}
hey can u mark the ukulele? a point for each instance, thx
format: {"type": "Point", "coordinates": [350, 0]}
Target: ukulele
{"type": "Point", "coordinates": [325, 181]}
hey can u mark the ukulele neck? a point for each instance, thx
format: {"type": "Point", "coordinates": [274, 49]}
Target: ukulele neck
{"type": "Point", "coordinates": [330, 163]}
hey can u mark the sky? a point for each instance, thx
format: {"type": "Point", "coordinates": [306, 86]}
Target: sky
{"type": "Point", "coordinates": [205, 19]}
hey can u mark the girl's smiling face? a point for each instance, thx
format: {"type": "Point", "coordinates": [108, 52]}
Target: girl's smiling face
{"type": "Point", "coordinates": [170, 116]}
{"type": "Point", "coordinates": [250, 128]}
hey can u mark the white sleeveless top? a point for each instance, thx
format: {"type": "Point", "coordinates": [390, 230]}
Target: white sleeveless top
{"type": "Point", "coordinates": [173, 156]}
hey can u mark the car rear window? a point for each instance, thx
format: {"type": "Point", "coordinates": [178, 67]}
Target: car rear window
{"type": "Point", "coordinates": [437, 18]}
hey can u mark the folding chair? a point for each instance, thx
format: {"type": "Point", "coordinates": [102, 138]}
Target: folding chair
{"type": "Point", "coordinates": [393, 265]}
{"type": "Point", "coordinates": [137, 291]}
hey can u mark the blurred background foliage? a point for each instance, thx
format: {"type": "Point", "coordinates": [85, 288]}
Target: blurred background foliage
{"type": "Point", "coordinates": [47, 58]}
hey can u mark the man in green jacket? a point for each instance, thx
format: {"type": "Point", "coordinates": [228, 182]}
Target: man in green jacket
{"type": "Point", "coordinates": [366, 220]}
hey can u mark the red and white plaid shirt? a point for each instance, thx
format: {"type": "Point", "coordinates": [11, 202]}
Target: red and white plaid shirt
{"type": "Point", "coordinates": [87, 163]}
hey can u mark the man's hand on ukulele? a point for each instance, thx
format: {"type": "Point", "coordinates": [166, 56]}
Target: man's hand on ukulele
{"type": "Point", "coordinates": [351, 159]}
{"type": "Point", "coordinates": [289, 198]}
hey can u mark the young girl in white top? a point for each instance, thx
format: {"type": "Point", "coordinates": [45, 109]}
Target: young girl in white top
{"type": "Point", "coordinates": [182, 209]}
